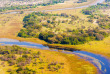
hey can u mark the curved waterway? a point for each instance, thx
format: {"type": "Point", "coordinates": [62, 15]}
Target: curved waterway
{"type": "Point", "coordinates": [102, 63]}
{"type": "Point", "coordinates": [95, 3]}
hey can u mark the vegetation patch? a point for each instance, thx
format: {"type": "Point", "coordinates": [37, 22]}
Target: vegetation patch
{"type": "Point", "coordinates": [46, 27]}
{"type": "Point", "coordinates": [22, 59]}
{"type": "Point", "coordinates": [19, 7]}
{"type": "Point", "coordinates": [19, 60]}
{"type": "Point", "coordinates": [81, 1]}
{"type": "Point", "coordinates": [90, 10]}
{"type": "Point", "coordinates": [101, 19]}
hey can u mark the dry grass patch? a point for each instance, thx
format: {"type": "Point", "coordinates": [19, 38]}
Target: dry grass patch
{"type": "Point", "coordinates": [11, 24]}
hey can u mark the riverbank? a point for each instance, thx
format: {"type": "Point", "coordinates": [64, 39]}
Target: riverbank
{"type": "Point", "coordinates": [97, 47]}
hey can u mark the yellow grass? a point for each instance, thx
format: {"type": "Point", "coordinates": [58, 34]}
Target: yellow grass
{"type": "Point", "coordinates": [5, 67]}
{"type": "Point", "coordinates": [10, 24]}
{"type": "Point", "coordinates": [105, 11]}
{"type": "Point", "coordinates": [13, 24]}
{"type": "Point", "coordinates": [72, 64]}
{"type": "Point", "coordinates": [99, 47]}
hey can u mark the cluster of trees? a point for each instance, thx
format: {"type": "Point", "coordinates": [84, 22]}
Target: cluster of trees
{"type": "Point", "coordinates": [24, 70]}
{"type": "Point", "coordinates": [9, 54]}
{"type": "Point", "coordinates": [54, 66]}
{"type": "Point", "coordinates": [52, 2]}
{"type": "Point", "coordinates": [33, 28]}
{"type": "Point", "coordinates": [81, 1]}
{"type": "Point", "coordinates": [104, 22]}
{"type": "Point", "coordinates": [91, 9]}
{"type": "Point", "coordinates": [21, 57]}
{"type": "Point", "coordinates": [19, 7]}
{"type": "Point", "coordinates": [77, 37]}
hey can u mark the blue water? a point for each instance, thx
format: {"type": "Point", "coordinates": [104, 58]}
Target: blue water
{"type": "Point", "coordinates": [102, 63]}
{"type": "Point", "coordinates": [27, 44]}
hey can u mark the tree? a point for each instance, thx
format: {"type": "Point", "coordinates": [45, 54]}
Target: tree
{"type": "Point", "coordinates": [48, 21]}
{"type": "Point", "coordinates": [66, 41]}
{"type": "Point", "coordinates": [99, 37]}
{"type": "Point", "coordinates": [21, 12]}
{"type": "Point", "coordinates": [75, 41]}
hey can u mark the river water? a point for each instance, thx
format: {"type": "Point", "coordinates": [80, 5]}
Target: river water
{"type": "Point", "coordinates": [102, 63]}
{"type": "Point", "coordinates": [95, 3]}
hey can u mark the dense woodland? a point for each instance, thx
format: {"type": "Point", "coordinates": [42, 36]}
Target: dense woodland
{"type": "Point", "coordinates": [44, 26]}
{"type": "Point", "coordinates": [22, 59]}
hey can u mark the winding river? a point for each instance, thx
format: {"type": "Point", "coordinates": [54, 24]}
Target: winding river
{"type": "Point", "coordinates": [102, 63]}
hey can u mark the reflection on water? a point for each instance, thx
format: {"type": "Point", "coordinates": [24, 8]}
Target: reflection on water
{"type": "Point", "coordinates": [99, 61]}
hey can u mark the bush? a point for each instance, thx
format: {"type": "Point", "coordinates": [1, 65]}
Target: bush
{"type": "Point", "coordinates": [99, 37]}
